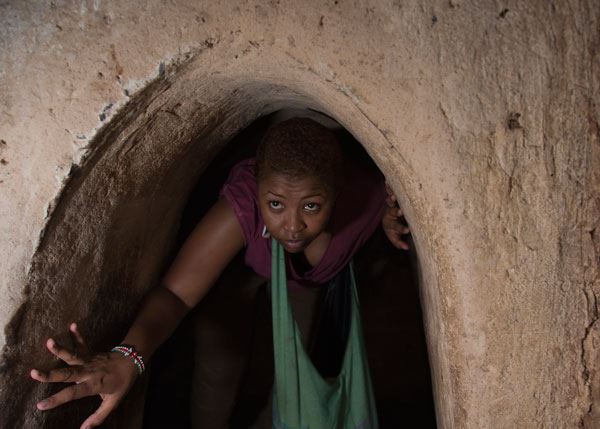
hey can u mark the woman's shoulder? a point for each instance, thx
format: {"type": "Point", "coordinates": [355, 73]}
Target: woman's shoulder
{"type": "Point", "coordinates": [241, 179]}
{"type": "Point", "coordinates": [241, 191]}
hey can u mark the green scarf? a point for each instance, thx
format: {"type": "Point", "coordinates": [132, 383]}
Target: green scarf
{"type": "Point", "coordinates": [302, 398]}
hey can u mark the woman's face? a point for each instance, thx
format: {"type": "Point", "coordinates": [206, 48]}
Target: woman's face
{"type": "Point", "coordinates": [295, 211]}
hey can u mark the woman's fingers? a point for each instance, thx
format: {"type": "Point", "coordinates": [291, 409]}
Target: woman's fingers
{"type": "Point", "coordinates": [394, 228]}
{"type": "Point", "coordinates": [68, 394]}
{"type": "Point", "coordinates": [403, 229]}
{"type": "Point", "coordinates": [37, 375]}
{"type": "Point", "coordinates": [394, 210]}
{"type": "Point", "coordinates": [397, 234]}
{"type": "Point", "coordinates": [91, 375]}
{"type": "Point", "coordinates": [394, 215]}
{"type": "Point", "coordinates": [96, 419]}
{"type": "Point", "coordinates": [74, 330]}
{"type": "Point", "coordinates": [63, 353]}
{"type": "Point", "coordinates": [402, 244]}
{"type": "Point", "coordinates": [398, 242]}
{"type": "Point", "coordinates": [72, 374]}
{"type": "Point", "coordinates": [399, 230]}
{"type": "Point", "coordinates": [80, 345]}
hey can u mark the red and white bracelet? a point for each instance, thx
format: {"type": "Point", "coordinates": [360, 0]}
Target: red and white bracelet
{"type": "Point", "coordinates": [128, 350]}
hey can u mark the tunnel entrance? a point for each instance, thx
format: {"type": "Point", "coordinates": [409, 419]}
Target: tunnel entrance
{"type": "Point", "coordinates": [117, 218]}
{"type": "Point", "coordinates": [390, 307]}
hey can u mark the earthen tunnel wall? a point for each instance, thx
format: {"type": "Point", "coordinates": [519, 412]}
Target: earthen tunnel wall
{"type": "Point", "coordinates": [482, 115]}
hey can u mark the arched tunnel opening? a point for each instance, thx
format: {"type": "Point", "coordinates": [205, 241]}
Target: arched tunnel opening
{"type": "Point", "coordinates": [231, 327]}
{"type": "Point", "coordinates": [122, 216]}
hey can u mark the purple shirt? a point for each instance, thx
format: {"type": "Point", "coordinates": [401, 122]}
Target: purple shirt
{"type": "Point", "coordinates": [356, 215]}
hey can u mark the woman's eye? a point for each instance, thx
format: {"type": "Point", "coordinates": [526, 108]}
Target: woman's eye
{"type": "Point", "coordinates": [274, 204]}
{"type": "Point", "coordinates": [312, 207]}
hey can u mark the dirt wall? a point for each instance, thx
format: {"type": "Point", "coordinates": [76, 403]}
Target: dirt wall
{"type": "Point", "coordinates": [482, 115]}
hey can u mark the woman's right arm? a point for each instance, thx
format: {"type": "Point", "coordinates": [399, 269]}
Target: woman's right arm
{"type": "Point", "coordinates": [207, 251]}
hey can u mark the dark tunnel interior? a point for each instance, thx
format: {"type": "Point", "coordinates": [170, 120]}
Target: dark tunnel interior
{"type": "Point", "coordinates": [390, 309]}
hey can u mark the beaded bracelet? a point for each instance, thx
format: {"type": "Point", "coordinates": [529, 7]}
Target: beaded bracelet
{"type": "Point", "coordinates": [129, 350]}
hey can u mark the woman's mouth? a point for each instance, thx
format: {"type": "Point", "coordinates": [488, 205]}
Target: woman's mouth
{"type": "Point", "coordinates": [293, 244]}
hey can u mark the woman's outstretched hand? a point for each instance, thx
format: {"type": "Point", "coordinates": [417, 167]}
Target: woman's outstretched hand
{"type": "Point", "coordinates": [109, 375]}
{"type": "Point", "coordinates": [391, 223]}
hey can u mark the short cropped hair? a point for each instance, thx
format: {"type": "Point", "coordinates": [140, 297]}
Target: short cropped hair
{"type": "Point", "coordinates": [298, 148]}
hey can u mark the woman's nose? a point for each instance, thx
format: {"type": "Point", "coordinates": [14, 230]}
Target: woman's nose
{"type": "Point", "coordinates": [294, 223]}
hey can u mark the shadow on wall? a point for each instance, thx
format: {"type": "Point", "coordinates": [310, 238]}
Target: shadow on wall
{"type": "Point", "coordinates": [390, 307]}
